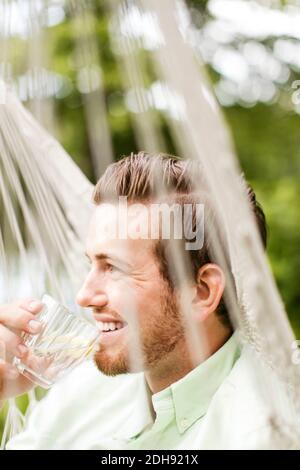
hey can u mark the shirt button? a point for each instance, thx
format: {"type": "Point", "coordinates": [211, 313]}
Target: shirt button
{"type": "Point", "coordinates": [184, 423]}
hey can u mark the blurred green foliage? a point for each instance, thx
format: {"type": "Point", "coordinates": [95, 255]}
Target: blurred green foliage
{"type": "Point", "coordinates": [267, 140]}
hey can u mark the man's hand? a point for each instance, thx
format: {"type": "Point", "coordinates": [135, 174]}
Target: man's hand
{"type": "Point", "coordinates": [16, 318]}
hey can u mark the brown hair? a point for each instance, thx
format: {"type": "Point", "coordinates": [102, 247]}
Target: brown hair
{"type": "Point", "coordinates": [140, 177]}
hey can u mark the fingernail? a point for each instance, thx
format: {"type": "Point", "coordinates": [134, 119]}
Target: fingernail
{"type": "Point", "coordinates": [22, 349]}
{"type": "Point", "coordinates": [34, 305]}
{"type": "Point", "coordinates": [34, 326]}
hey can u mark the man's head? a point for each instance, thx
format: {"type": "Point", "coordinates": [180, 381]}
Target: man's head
{"type": "Point", "coordinates": [132, 287]}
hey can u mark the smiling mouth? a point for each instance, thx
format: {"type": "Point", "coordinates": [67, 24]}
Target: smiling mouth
{"type": "Point", "coordinates": [110, 327]}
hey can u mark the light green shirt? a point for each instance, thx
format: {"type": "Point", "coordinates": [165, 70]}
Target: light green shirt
{"type": "Point", "coordinates": [215, 406]}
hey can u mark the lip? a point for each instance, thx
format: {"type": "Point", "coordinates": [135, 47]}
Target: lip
{"type": "Point", "coordinates": [106, 318]}
{"type": "Point", "coordinates": [111, 335]}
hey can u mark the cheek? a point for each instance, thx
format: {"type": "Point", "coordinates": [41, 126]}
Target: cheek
{"type": "Point", "coordinates": [129, 298]}
{"type": "Point", "coordinates": [122, 296]}
{"type": "Point", "coordinates": [150, 303]}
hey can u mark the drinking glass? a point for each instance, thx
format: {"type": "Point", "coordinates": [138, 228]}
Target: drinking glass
{"type": "Point", "coordinates": [64, 342]}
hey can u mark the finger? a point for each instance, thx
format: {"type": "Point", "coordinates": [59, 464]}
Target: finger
{"type": "Point", "coordinates": [20, 319]}
{"type": "Point", "coordinates": [37, 364]}
{"type": "Point", "coordinates": [12, 383]}
{"type": "Point", "coordinates": [32, 305]}
{"type": "Point", "coordinates": [7, 372]}
{"type": "Point", "coordinates": [11, 345]}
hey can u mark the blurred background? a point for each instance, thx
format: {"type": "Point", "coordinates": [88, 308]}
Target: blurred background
{"type": "Point", "coordinates": [96, 94]}
{"type": "Point", "coordinates": [63, 56]}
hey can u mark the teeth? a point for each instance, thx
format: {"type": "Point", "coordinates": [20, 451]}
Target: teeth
{"type": "Point", "coordinates": [109, 326]}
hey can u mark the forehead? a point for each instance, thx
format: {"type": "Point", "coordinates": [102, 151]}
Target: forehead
{"type": "Point", "coordinates": [108, 230]}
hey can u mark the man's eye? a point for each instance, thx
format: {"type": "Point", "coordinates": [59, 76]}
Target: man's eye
{"type": "Point", "coordinates": [112, 268]}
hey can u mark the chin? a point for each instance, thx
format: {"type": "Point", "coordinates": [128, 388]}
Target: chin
{"type": "Point", "coordinates": [111, 366]}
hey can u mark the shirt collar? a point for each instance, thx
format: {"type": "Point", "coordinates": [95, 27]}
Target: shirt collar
{"type": "Point", "coordinates": [141, 412]}
{"type": "Point", "coordinates": [191, 395]}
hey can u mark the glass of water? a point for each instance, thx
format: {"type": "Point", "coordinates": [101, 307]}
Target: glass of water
{"type": "Point", "coordinates": [64, 342]}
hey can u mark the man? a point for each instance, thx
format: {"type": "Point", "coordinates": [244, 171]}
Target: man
{"type": "Point", "coordinates": [169, 370]}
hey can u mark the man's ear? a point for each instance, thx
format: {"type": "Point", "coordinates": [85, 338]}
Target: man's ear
{"type": "Point", "coordinates": [209, 289]}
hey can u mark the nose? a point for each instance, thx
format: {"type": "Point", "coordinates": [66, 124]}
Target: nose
{"type": "Point", "coordinates": [91, 294]}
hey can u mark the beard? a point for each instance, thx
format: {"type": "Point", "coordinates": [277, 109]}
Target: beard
{"type": "Point", "coordinates": [158, 337]}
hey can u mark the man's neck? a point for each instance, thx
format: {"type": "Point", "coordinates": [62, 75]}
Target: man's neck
{"type": "Point", "coordinates": [178, 364]}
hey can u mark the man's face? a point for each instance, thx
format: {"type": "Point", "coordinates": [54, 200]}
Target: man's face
{"type": "Point", "coordinates": [129, 297]}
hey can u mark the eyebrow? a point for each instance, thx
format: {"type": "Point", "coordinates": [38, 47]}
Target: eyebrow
{"type": "Point", "coordinates": [107, 256]}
